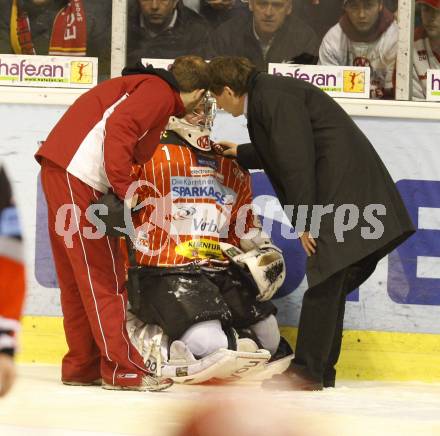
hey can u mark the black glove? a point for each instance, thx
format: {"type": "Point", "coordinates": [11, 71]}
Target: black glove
{"type": "Point", "coordinates": [114, 217]}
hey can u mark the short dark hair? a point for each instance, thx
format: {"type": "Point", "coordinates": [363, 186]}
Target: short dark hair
{"type": "Point", "coordinates": [232, 71]}
{"type": "Point", "coordinates": [191, 73]}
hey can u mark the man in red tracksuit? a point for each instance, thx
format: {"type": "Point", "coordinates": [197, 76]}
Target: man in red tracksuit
{"type": "Point", "coordinates": [89, 152]}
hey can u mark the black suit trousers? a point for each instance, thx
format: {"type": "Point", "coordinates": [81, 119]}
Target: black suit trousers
{"type": "Point", "coordinates": [322, 319]}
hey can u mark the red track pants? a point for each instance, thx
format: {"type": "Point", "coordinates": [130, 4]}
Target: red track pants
{"type": "Point", "coordinates": [92, 282]}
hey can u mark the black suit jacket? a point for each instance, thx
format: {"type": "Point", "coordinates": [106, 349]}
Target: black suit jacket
{"type": "Point", "coordinates": [314, 154]}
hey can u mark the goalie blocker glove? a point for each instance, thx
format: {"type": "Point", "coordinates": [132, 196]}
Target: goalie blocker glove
{"type": "Point", "coordinates": [263, 265]}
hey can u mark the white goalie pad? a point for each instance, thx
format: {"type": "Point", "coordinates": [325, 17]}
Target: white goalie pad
{"type": "Point", "coordinates": [271, 368]}
{"type": "Point", "coordinates": [265, 264]}
{"type": "Point", "coordinates": [150, 341]}
{"type": "Point", "coordinates": [183, 367]}
{"type": "Point", "coordinates": [224, 365]}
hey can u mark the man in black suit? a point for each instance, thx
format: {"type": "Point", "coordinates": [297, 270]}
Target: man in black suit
{"type": "Point", "coordinates": [346, 207]}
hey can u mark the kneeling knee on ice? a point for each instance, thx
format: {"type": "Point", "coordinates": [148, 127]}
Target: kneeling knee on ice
{"type": "Point", "coordinates": [205, 338]}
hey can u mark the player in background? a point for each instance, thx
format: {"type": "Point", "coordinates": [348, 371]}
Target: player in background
{"type": "Point", "coordinates": [12, 282]}
{"type": "Point", "coordinates": [207, 267]}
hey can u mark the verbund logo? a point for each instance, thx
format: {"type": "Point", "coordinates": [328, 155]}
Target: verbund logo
{"type": "Point", "coordinates": [336, 81]}
{"type": "Point", "coordinates": [48, 71]}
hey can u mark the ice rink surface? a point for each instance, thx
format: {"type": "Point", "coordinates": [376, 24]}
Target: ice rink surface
{"type": "Point", "coordinates": [40, 405]}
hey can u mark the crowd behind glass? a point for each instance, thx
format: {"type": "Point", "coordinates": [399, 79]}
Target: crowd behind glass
{"type": "Point", "coordinates": [327, 32]}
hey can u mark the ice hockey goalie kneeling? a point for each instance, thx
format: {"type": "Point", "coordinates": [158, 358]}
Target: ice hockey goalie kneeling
{"type": "Point", "coordinates": [203, 272]}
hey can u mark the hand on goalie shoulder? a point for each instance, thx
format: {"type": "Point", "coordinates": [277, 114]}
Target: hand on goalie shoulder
{"type": "Point", "coordinates": [226, 148]}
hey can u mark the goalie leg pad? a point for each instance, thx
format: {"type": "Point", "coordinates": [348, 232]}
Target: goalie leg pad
{"type": "Point", "coordinates": [268, 333]}
{"type": "Point", "coordinates": [226, 365]}
{"type": "Point", "coordinates": [178, 362]}
{"type": "Point", "coordinates": [240, 296]}
{"type": "Point", "coordinates": [177, 298]}
{"type": "Point", "coordinates": [205, 338]}
{"type": "Point", "coordinates": [278, 363]}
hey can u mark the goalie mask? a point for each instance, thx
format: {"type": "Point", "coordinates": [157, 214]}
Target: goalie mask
{"type": "Point", "coordinates": [195, 128]}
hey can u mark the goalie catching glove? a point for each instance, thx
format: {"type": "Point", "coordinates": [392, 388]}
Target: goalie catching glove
{"type": "Point", "coordinates": [263, 265]}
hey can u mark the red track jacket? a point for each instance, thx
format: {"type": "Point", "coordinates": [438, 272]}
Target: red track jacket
{"type": "Point", "coordinates": [109, 128]}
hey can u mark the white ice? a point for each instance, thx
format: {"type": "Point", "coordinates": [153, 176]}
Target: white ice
{"type": "Point", "coordinates": [40, 405]}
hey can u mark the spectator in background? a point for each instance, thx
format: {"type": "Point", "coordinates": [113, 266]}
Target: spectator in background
{"type": "Point", "coordinates": [217, 12]}
{"type": "Point", "coordinates": [320, 15]}
{"type": "Point", "coordinates": [270, 33]}
{"type": "Point", "coordinates": [366, 35]}
{"type": "Point", "coordinates": [392, 6]}
{"type": "Point", "coordinates": [57, 27]}
{"type": "Point", "coordinates": [426, 46]}
{"type": "Point", "coordinates": [12, 282]}
{"type": "Point", "coordinates": [164, 29]}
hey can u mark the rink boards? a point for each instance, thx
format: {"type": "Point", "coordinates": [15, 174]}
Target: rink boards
{"type": "Point", "coordinates": [392, 321]}
{"type": "Point", "coordinates": [366, 355]}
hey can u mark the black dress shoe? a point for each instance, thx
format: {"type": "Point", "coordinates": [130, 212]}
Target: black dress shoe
{"type": "Point", "coordinates": [295, 378]}
{"type": "Point", "coordinates": [329, 382]}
